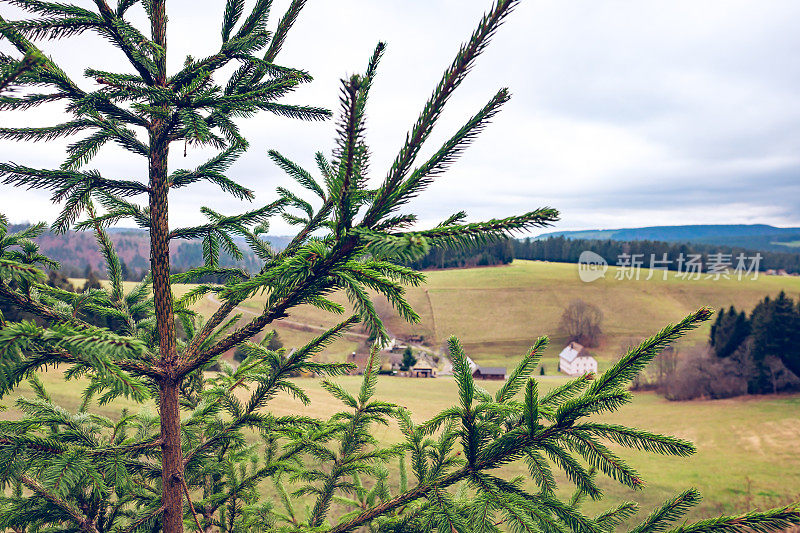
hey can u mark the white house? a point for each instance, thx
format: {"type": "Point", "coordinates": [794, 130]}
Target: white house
{"type": "Point", "coordinates": [574, 360]}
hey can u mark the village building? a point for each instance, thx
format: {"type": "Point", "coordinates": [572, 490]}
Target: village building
{"type": "Point", "coordinates": [395, 360]}
{"type": "Point", "coordinates": [448, 367]}
{"type": "Point", "coordinates": [422, 369]}
{"type": "Point", "coordinates": [575, 360]}
{"type": "Point", "coordinates": [489, 372]}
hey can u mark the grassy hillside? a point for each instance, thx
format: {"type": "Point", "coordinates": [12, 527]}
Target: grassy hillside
{"type": "Point", "coordinates": [497, 312]}
{"type": "Point", "coordinates": [746, 447]}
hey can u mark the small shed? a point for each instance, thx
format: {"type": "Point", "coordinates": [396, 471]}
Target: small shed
{"type": "Point", "coordinates": [575, 360]}
{"type": "Point", "coordinates": [422, 369]}
{"type": "Point", "coordinates": [489, 372]}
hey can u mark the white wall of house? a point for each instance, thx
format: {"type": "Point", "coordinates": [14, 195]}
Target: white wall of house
{"type": "Point", "coordinates": [578, 366]}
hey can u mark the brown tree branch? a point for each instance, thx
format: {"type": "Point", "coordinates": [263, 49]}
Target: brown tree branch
{"type": "Point", "coordinates": [109, 17]}
{"type": "Point", "coordinates": [83, 522]}
{"type": "Point", "coordinates": [319, 271]}
{"type": "Point", "coordinates": [228, 307]}
{"type": "Point", "coordinates": [191, 505]}
{"type": "Point", "coordinates": [422, 489]}
{"type": "Point", "coordinates": [27, 304]}
{"type": "Point", "coordinates": [143, 519]}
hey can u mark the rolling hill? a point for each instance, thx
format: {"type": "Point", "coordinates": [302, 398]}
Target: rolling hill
{"type": "Point", "coordinates": [498, 312]}
{"type": "Point", "coordinates": [76, 250]}
{"type": "Point", "coordinates": [752, 236]}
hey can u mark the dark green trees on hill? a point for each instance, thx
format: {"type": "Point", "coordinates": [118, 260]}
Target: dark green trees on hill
{"type": "Point", "coordinates": [408, 359]}
{"type": "Point", "coordinates": [729, 331]}
{"type": "Point", "coordinates": [770, 334]}
{"type": "Point", "coordinates": [498, 252]}
{"type": "Point", "coordinates": [775, 326]}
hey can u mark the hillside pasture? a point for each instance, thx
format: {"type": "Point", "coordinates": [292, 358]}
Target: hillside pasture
{"type": "Point", "coordinates": [498, 312]}
{"type": "Point", "coordinates": [746, 446]}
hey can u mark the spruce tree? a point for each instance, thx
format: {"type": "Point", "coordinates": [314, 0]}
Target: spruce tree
{"type": "Point", "coordinates": [408, 359]}
{"type": "Point", "coordinates": [274, 343]}
{"type": "Point", "coordinates": [144, 110]}
{"type": "Point", "coordinates": [729, 331]}
{"type": "Point", "coordinates": [85, 472]}
{"type": "Point", "coordinates": [776, 332]}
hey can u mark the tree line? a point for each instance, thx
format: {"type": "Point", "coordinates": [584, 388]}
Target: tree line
{"type": "Point", "coordinates": [767, 342]}
{"type": "Point", "coordinates": [499, 252]}
{"type": "Point", "coordinates": [565, 250]}
{"type": "Point", "coordinates": [747, 353]}
{"type": "Point", "coordinates": [77, 254]}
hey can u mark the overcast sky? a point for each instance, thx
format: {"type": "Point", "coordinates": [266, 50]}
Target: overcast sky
{"type": "Point", "coordinates": [623, 113]}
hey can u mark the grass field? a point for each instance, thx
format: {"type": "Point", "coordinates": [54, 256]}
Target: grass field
{"type": "Point", "coordinates": [747, 447]}
{"type": "Point", "coordinates": [497, 312]}
{"type": "Point", "coordinates": [750, 442]}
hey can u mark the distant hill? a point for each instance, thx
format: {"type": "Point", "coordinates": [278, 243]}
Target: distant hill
{"type": "Point", "coordinates": [751, 236]}
{"type": "Point", "coordinates": [77, 250]}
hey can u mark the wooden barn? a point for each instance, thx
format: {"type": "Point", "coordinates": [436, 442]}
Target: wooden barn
{"type": "Point", "coordinates": [489, 372]}
{"type": "Point", "coordinates": [422, 369]}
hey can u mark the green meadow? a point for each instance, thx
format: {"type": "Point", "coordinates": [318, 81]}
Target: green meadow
{"type": "Point", "coordinates": [497, 312]}
{"type": "Point", "coordinates": [747, 447]}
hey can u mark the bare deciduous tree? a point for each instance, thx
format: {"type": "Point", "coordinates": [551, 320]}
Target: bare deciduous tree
{"type": "Point", "coordinates": [582, 322]}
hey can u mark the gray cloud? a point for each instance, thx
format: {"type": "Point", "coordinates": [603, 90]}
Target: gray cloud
{"type": "Point", "coordinates": [624, 113]}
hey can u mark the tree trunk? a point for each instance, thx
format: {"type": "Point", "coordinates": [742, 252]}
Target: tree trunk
{"type": "Point", "coordinates": [172, 456]}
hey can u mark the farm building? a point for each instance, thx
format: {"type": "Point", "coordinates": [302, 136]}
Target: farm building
{"type": "Point", "coordinates": [422, 369]}
{"type": "Point", "coordinates": [489, 372]}
{"type": "Point", "coordinates": [394, 359]}
{"type": "Point", "coordinates": [575, 360]}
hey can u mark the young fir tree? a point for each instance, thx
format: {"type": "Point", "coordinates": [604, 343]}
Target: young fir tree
{"type": "Point", "coordinates": [65, 471]}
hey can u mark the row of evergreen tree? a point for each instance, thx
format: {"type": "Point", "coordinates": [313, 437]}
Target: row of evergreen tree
{"type": "Point", "coordinates": [564, 250]}
{"type": "Point", "coordinates": [772, 330]}
{"type": "Point", "coordinates": [502, 252]}
{"type": "Point", "coordinates": [70, 253]}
